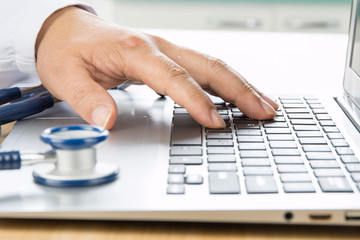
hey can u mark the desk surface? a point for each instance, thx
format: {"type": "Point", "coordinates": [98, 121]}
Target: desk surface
{"type": "Point", "coordinates": [309, 60]}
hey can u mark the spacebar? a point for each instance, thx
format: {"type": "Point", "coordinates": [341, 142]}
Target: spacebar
{"type": "Point", "coordinates": [185, 131]}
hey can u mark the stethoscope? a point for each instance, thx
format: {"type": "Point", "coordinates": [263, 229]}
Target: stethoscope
{"type": "Point", "coordinates": [72, 162]}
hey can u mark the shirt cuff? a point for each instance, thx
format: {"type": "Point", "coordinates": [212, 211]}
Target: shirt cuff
{"type": "Point", "coordinates": [33, 18]}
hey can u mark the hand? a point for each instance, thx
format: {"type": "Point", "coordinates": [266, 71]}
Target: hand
{"type": "Point", "coordinates": [79, 55]}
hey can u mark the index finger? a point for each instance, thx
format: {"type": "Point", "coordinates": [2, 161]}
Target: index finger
{"type": "Point", "coordinates": [214, 74]}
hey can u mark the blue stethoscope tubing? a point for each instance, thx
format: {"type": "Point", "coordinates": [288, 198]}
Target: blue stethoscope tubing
{"type": "Point", "coordinates": [75, 158]}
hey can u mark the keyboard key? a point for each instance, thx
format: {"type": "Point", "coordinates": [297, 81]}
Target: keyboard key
{"type": "Point", "coordinates": [194, 179]}
{"type": "Point", "coordinates": [280, 137]}
{"type": "Point", "coordinates": [316, 148]}
{"type": "Point", "coordinates": [300, 116]}
{"type": "Point", "coordinates": [312, 141]}
{"type": "Point", "coordinates": [218, 135]}
{"type": "Point", "coordinates": [339, 143]}
{"type": "Point", "coordinates": [224, 183]}
{"type": "Point", "coordinates": [238, 115]}
{"type": "Point", "coordinates": [176, 179]}
{"type": "Point", "coordinates": [288, 160]}
{"type": "Point", "coordinates": [219, 143]}
{"type": "Point", "coordinates": [252, 146]}
{"type": "Point", "coordinates": [323, 117]}
{"type": "Point", "coordinates": [250, 139]}
{"type": "Point", "coordinates": [344, 151]}
{"type": "Point", "coordinates": [253, 154]}
{"type": "Point", "coordinates": [349, 159]}
{"type": "Point", "coordinates": [315, 106]}
{"type": "Point", "coordinates": [248, 132]}
{"type": "Point", "coordinates": [355, 177]}
{"type": "Point", "coordinates": [277, 131]}
{"type": "Point", "coordinates": [220, 150]}
{"type": "Point", "coordinates": [222, 167]}
{"type": "Point", "coordinates": [326, 172]}
{"type": "Point", "coordinates": [187, 160]}
{"type": "Point", "coordinates": [296, 98]}
{"type": "Point", "coordinates": [180, 111]}
{"type": "Point", "coordinates": [292, 102]}
{"type": "Point", "coordinates": [185, 151]}
{"type": "Point", "coordinates": [295, 177]}
{"type": "Point", "coordinates": [176, 189]}
{"type": "Point", "coordinates": [260, 184]}
{"type": "Point", "coordinates": [335, 136]}
{"type": "Point", "coordinates": [302, 122]}
{"type": "Point", "coordinates": [291, 168]}
{"type": "Point", "coordinates": [223, 112]}
{"type": "Point", "coordinates": [306, 134]}
{"type": "Point", "coordinates": [305, 128]}
{"type": "Point", "coordinates": [282, 144]}
{"type": "Point", "coordinates": [324, 164]}
{"type": "Point", "coordinates": [319, 111]}
{"type": "Point", "coordinates": [186, 131]}
{"type": "Point", "coordinates": [314, 101]}
{"type": "Point", "coordinates": [320, 156]}
{"type": "Point", "coordinates": [303, 187]}
{"type": "Point", "coordinates": [325, 123]}
{"type": "Point", "coordinates": [334, 184]}
{"type": "Point", "coordinates": [222, 158]}
{"type": "Point", "coordinates": [258, 171]}
{"type": "Point", "coordinates": [292, 105]}
{"type": "Point", "coordinates": [276, 125]}
{"type": "Point", "coordinates": [179, 169]}
{"type": "Point", "coordinates": [247, 126]}
{"type": "Point", "coordinates": [246, 162]}
{"type": "Point", "coordinates": [223, 130]}
{"type": "Point", "coordinates": [296, 110]}
{"type": "Point", "coordinates": [353, 167]}
{"type": "Point", "coordinates": [331, 129]}
{"type": "Point", "coordinates": [285, 152]}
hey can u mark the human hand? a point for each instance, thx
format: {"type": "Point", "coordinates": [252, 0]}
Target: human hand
{"type": "Point", "coordinates": [79, 55]}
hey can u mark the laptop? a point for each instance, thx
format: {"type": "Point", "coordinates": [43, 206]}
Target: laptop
{"type": "Point", "coordinates": [302, 167]}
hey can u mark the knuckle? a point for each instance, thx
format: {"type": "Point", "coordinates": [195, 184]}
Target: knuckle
{"type": "Point", "coordinates": [175, 77]}
{"type": "Point", "coordinates": [133, 41]}
{"type": "Point", "coordinates": [175, 72]}
{"type": "Point", "coordinates": [215, 64]}
{"type": "Point", "coordinates": [79, 94]}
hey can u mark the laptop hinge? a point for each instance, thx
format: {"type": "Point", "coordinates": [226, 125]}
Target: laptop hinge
{"type": "Point", "coordinates": [350, 109]}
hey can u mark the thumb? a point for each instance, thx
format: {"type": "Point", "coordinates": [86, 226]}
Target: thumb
{"type": "Point", "coordinates": [90, 100]}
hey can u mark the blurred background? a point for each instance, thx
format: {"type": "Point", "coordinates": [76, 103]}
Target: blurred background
{"type": "Point", "coordinates": [323, 16]}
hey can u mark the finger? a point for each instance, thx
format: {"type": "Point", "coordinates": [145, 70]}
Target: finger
{"type": "Point", "coordinates": [147, 64]}
{"type": "Point", "coordinates": [214, 74]}
{"type": "Point", "coordinates": [91, 101]}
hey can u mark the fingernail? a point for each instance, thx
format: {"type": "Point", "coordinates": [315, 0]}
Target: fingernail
{"type": "Point", "coordinates": [268, 108]}
{"type": "Point", "coordinates": [217, 119]}
{"type": "Point", "coordinates": [100, 116]}
{"type": "Point", "coordinates": [269, 100]}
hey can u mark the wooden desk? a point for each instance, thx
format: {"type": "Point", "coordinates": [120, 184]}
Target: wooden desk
{"type": "Point", "coordinates": [56, 229]}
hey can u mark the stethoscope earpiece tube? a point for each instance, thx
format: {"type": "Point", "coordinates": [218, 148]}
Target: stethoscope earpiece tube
{"type": "Point", "coordinates": [19, 110]}
{"type": "Point", "coordinates": [9, 94]}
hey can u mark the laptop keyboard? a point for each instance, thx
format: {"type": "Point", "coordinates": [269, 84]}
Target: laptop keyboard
{"type": "Point", "coordinates": [300, 151]}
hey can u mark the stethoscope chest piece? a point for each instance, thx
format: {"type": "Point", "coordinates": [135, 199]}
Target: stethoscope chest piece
{"type": "Point", "coordinates": [76, 163]}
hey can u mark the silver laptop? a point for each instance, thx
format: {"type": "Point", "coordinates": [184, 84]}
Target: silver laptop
{"type": "Point", "coordinates": [301, 168]}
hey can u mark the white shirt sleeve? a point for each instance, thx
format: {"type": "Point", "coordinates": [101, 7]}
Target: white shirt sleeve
{"type": "Point", "coordinates": [20, 23]}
